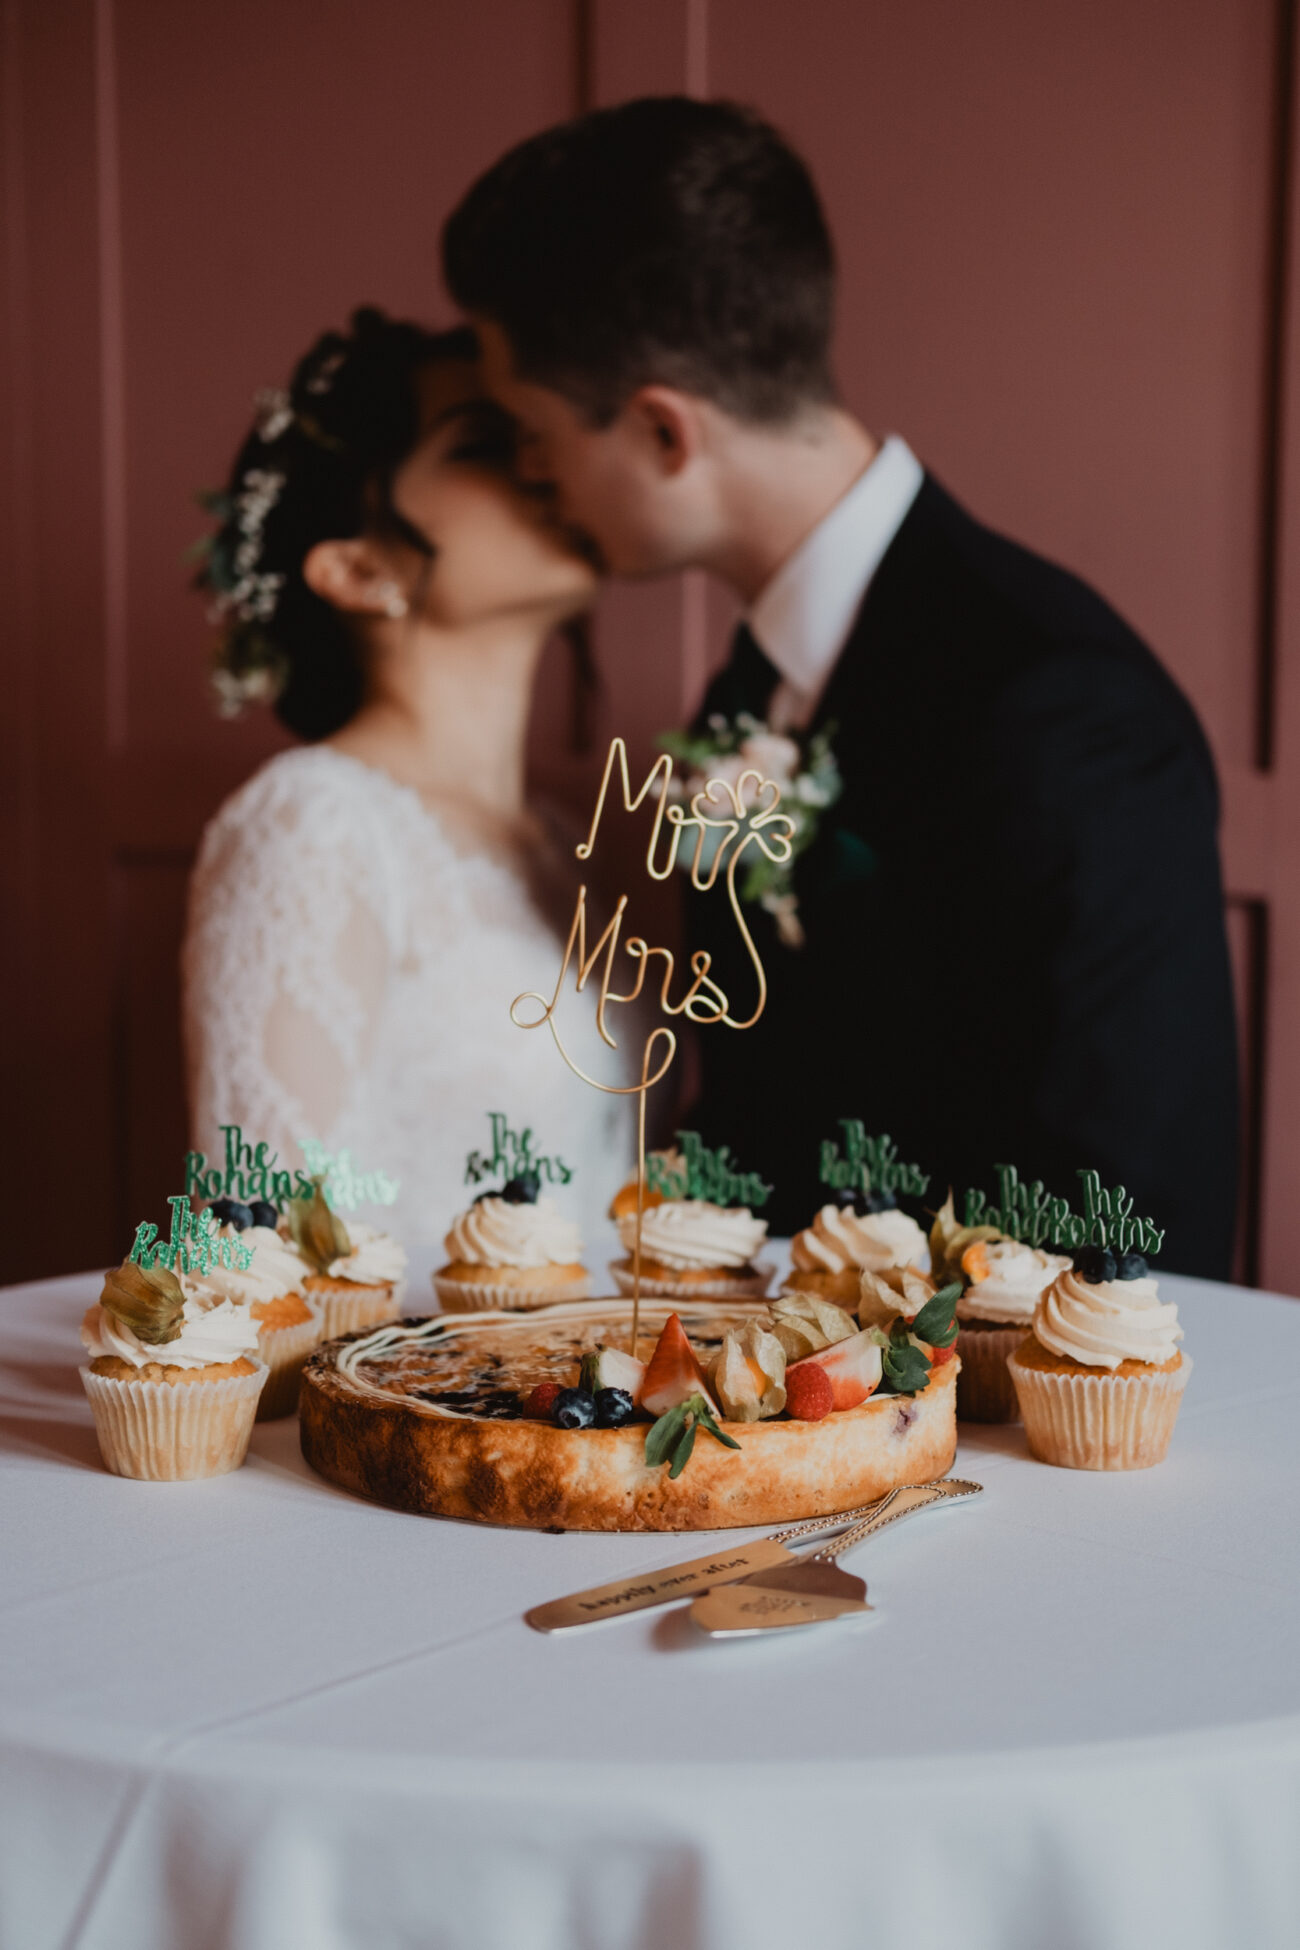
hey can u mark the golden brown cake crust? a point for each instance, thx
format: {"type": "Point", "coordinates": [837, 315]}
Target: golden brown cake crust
{"type": "Point", "coordinates": [290, 1310]}
{"type": "Point", "coordinates": [654, 1269]}
{"type": "Point", "coordinates": [321, 1284]}
{"type": "Point", "coordinates": [844, 1286]}
{"type": "Point", "coordinates": [470, 1273]}
{"type": "Point", "coordinates": [1032, 1354]}
{"type": "Point", "coordinates": [407, 1454]}
{"type": "Point", "coordinates": [114, 1368]}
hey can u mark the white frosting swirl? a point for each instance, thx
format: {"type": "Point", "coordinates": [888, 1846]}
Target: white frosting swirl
{"type": "Point", "coordinates": [277, 1269]}
{"type": "Point", "coordinates": [1113, 1321]}
{"type": "Point", "coordinates": [212, 1332]}
{"type": "Point", "coordinates": [689, 1232]}
{"type": "Point", "coordinates": [376, 1258]}
{"type": "Point", "coordinates": [1016, 1279]}
{"type": "Point", "coordinates": [839, 1238]}
{"type": "Point", "coordinates": [496, 1233]}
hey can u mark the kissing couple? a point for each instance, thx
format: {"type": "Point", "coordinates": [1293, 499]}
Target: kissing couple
{"type": "Point", "coordinates": [1011, 921]}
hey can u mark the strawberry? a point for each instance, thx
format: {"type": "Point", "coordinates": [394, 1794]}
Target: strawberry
{"type": "Point", "coordinates": [938, 1355]}
{"type": "Point", "coordinates": [852, 1366]}
{"type": "Point", "coordinates": [540, 1403]}
{"type": "Point", "coordinates": [809, 1394]}
{"type": "Point", "coordinates": [674, 1373]}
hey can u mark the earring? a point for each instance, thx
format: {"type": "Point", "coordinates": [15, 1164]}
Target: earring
{"type": "Point", "coordinates": [391, 600]}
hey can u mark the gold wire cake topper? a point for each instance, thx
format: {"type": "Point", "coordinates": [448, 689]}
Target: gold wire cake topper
{"type": "Point", "coordinates": [724, 829]}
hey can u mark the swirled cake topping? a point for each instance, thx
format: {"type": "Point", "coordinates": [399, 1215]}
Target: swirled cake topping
{"type": "Point", "coordinates": [497, 1232]}
{"type": "Point", "coordinates": [840, 1238]}
{"type": "Point", "coordinates": [1008, 1280]}
{"type": "Point", "coordinates": [690, 1232]}
{"type": "Point", "coordinates": [1102, 1323]}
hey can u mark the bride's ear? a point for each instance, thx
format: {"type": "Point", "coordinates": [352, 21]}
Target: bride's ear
{"type": "Point", "coordinates": [352, 576]}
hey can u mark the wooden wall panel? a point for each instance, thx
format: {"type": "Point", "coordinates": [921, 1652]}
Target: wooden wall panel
{"type": "Point", "coordinates": [1068, 270]}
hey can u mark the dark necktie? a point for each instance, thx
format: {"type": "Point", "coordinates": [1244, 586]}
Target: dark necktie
{"type": "Point", "coordinates": [753, 674]}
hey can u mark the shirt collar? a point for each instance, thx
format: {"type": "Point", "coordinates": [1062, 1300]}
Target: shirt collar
{"type": "Point", "coordinates": [803, 617]}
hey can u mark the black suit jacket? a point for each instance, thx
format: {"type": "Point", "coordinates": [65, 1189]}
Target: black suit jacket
{"type": "Point", "coordinates": [1015, 940]}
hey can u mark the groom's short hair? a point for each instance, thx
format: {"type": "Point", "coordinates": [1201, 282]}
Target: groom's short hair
{"type": "Point", "coordinates": [667, 241]}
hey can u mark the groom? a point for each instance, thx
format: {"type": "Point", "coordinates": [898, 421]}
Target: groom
{"type": "Point", "coordinates": [1015, 948]}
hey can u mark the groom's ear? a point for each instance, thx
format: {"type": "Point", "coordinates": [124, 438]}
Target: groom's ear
{"type": "Point", "coordinates": [670, 424]}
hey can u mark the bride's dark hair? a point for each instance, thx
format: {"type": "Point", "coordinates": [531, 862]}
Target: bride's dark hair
{"type": "Point", "coordinates": [317, 466]}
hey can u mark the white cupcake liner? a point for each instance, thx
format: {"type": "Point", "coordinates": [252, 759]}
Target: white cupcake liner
{"type": "Point", "coordinates": [985, 1391]}
{"type": "Point", "coordinates": [475, 1296]}
{"type": "Point", "coordinates": [173, 1432]}
{"type": "Point", "coordinates": [284, 1350]}
{"type": "Point", "coordinates": [724, 1286]}
{"type": "Point", "coordinates": [1099, 1421]}
{"type": "Point", "coordinates": [346, 1310]}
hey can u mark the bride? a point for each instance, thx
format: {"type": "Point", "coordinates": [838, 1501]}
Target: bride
{"type": "Point", "coordinates": [364, 910]}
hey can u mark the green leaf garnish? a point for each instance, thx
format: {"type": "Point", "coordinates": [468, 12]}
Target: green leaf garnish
{"type": "Point", "coordinates": [316, 1230]}
{"type": "Point", "coordinates": [937, 1320]}
{"type": "Point", "coordinates": [147, 1299]}
{"type": "Point", "coordinates": [906, 1369]}
{"type": "Point", "coordinates": [672, 1437]}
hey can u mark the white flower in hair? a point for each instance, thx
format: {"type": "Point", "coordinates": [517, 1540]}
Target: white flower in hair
{"type": "Point", "coordinates": [274, 413]}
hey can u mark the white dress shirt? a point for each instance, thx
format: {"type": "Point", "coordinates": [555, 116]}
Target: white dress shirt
{"type": "Point", "coordinates": [803, 617]}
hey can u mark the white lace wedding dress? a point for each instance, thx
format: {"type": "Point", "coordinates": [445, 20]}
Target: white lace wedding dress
{"type": "Point", "coordinates": [348, 976]}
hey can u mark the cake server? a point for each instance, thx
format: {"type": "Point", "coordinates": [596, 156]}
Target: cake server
{"type": "Point", "coordinates": [643, 1590]}
{"type": "Point", "coordinates": [813, 1589]}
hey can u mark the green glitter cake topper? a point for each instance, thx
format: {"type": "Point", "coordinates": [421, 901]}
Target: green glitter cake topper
{"type": "Point", "coordinates": [195, 1245]}
{"type": "Point", "coordinates": [512, 1156]}
{"type": "Point", "coordinates": [1034, 1216]}
{"type": "Point", "coordinates": [248, 1173]}
{"type": "Point", "coordinates": [705, 1174]}
{"type": "Point", "coordinates": [253, 1171]}
{"type": "Point", "coordinates": [868, 1164]}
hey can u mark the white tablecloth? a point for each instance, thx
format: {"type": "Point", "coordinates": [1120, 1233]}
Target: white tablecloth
{"type": "Point", "coordinates": [256, 1712]}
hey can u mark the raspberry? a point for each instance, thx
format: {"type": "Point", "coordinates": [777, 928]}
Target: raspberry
{"type": "Point", "coordinates": [809, 1394]}
{"type": "Point", "coordinates": [540, 1404]}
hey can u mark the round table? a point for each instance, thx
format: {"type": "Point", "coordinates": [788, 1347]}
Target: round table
{"type": "Point", "coordinates": [257, 1712]}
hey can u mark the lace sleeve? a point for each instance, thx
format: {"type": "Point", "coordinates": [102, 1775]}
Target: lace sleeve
{"type": "Point", "coordinates": [286, 962]}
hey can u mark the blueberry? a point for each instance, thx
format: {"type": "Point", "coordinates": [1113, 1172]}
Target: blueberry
{"type": "Point", "coordinates": [881, 1202]}
{"type": "Point", "coordinates": [229, 1212]}
{"type": "Point", "coordinates": [850, 1198]}
{"type": "Point", "coordinates": [526, 1189]}
{"type": "Point", "coordinates": [614, 1406]}
{"type": "Point", "coordinates": [264, 1213]}
{"type": "Point", "coordinates": [1094, 1264]}
{"type": "Point", "coordinates": [574, 1407]}
{"type": "Point", "coordinates": [1131, 1266]}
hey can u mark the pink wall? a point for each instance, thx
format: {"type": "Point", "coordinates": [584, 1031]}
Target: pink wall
{"type": "Point", "coordinates": [1061, 245]}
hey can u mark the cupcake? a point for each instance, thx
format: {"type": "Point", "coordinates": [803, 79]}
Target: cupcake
{"type": "Point", "coordinates": [1100, 1378]}
{"type": "Point", "coordinates": [658, 1165]}
{"type": "Point", "coordinates": [356, 1269]}
{"type": "Point", "coordinates": [512, 1249]}
{"type": "Point", "coordinates": [857, 1233]}
{"type": "Point", "coordinates": [689, 1246]}
{"type": "Point", "coordinates": [1003, 1281]}
{"type": "Point", "coordinates": [174, 1375]}
{"type": "Point", "coordinates": [288, 1321]}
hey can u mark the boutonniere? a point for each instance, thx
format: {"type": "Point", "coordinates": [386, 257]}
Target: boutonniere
{"type": "Point", "coordinates": [805, 770]}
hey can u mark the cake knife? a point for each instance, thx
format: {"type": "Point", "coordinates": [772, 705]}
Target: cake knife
{"type": "Point", "coordinates": [643, 1590]}
{"type": "Point", "coordinates": [813, 1589]}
